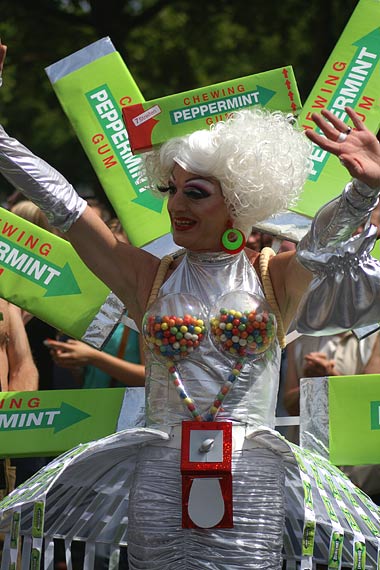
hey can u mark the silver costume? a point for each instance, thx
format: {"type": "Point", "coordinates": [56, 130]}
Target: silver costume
{"type": "Point", "coordinates": [126, 489]}
{"type": "Point", "coordinates": [40, 182]}
{"type": "Point", "coordinates": [345, 289]}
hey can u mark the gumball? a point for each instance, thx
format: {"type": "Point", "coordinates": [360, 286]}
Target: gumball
{"type": "Point", "coordinates": [174, 326]}
{"type": "Point", "coordinates": [242, 325]}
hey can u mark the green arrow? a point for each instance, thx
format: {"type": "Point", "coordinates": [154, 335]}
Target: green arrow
{"type": "Point", "coordinates": [68, 417]}
{"type": "Point", "coordinates": [147, 200]}
{"type": "Point", "coordinates": [47, 418]}
{"type": "Point", "coordinates": [370, 41]}
{"type": "Point", "coordinates": [375, 415]}
{"type": "Point", "coordinates": [265, 94]}
{"type": "Point", "coordinates": [65, 285]}
{"type": "Point", "coordinates": [38, 270]}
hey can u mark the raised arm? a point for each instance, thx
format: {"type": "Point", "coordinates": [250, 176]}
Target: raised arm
{"type": "Point", "coordinates": [333, 273]}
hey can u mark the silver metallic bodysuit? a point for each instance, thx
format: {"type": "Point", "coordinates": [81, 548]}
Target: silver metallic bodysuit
{"type": "Point", "coordinates": [252, 400]}
{"type": "Point", "coordinates": [157, 541]}
{"type": "Point", "coordinates": [125, 489]}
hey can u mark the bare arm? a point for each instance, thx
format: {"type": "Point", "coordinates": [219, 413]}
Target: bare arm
{"type": "Point", "coordinates": [314, 365]}
{"type": "Point", "coordinates": [290, 280]}
{"type": "Point", "coordinates": [128, 271]}
{"type": "Point", "coordinates": [292, 384]}
{"type": "Point", "coordinates": [76, 353]}
{"type": "Point", "coordinates": [23, 374]}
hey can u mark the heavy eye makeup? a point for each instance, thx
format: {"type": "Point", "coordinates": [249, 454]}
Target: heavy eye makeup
{"type": "Point", "coordinates": [169, 188]}
{"type": "Point", "coordinates": [193, 189]}
{"type": "Point", "coordinates": [196, 191]}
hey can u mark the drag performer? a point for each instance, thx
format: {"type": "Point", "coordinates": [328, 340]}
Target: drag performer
{"type": "Point", "coordinates": [208, 484]}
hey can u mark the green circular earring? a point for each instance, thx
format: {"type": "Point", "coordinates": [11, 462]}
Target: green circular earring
{"type": "Point", "coordinates": [233, 240]}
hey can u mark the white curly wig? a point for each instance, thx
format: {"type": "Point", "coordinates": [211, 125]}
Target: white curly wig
{"type": "Point", "coordinates": [260, 159]}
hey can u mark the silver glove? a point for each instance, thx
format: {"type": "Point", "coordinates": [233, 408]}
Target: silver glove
{"type": "Point", "coordinates": [39, 182]}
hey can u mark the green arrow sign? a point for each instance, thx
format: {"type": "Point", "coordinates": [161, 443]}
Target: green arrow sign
{"type": "Point", "coordinates": [93, 85]}
{"type": "Point", "coordinates": [57, 419]}
{"type": "Point", "coordinates": [53, 421]}
{"type": "Point", "coordinates": [350, 78]}
{"type": "Point", "coordinates": [36, 267]}
{"type": "Point", "coordinates": [53, 279]}
{"type": "Point", "coordinates": [153, 122]}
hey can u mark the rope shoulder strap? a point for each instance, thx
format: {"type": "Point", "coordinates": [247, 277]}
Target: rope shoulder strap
{"type": "Point", "coordinates": [159, 279]}
{"type": "Point", "coordinates": [266, 255]}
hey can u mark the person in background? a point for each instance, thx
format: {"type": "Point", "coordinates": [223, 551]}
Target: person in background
{"type": "Point", "coordinates": [36, 329]}
{"type": "Point", "coordinates": [18, 373]}
{"type": "Point", "coordinates": [119, 363]}
{"type": "Point", "coordinates": [333, 355]}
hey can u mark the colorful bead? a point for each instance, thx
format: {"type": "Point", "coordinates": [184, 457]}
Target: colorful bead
{"type": "Point", "coordinates": [246, 333]}
{"type": "Point", "coordinates": [168, 335]}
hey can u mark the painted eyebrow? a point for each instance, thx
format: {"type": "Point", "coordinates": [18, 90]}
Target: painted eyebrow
{"type": "Point", "coordinates": [200, 178]}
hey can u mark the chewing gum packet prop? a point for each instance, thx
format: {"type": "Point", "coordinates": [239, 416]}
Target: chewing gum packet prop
{"type": "Point", "coordinates": [350, 78]}
{"type": "Point", "coordinates": [43, 274]}
{"type": "Point", "coordinates": [154, 122]}
{"type": "Point", "coordinates": [92, 85]}
{"type": "Point", "coordinates": [50, 422]}
{"type": "Point", "coordinates": [354, 419]}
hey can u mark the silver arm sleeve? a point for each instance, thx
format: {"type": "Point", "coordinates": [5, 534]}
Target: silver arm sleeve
{"type": "Point", "coordinates": [345, 290]}
{"type": "Point", "coordinates": [39, 182]}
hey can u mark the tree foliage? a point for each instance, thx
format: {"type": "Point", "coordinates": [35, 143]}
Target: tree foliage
{"type": "Point", "coordinates": [168, 45]}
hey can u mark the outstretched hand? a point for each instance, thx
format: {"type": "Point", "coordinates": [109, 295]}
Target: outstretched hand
{"type": "Point", "coordinates": [358, 149]}
{"type": "Point", "coordinates": [316, 364]}
{"type": "Point", "coordinates": [71, 353]}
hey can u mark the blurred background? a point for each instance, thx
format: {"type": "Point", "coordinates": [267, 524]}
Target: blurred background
{"type": "Point", "coordinates": [168, 45]}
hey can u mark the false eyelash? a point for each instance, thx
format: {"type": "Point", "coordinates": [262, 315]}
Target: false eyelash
{"type": "Point", "coordinates": [164, 189]}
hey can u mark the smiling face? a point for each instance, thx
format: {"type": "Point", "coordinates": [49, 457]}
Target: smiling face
{"type": "Point", "coordinates": [197, 210]}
